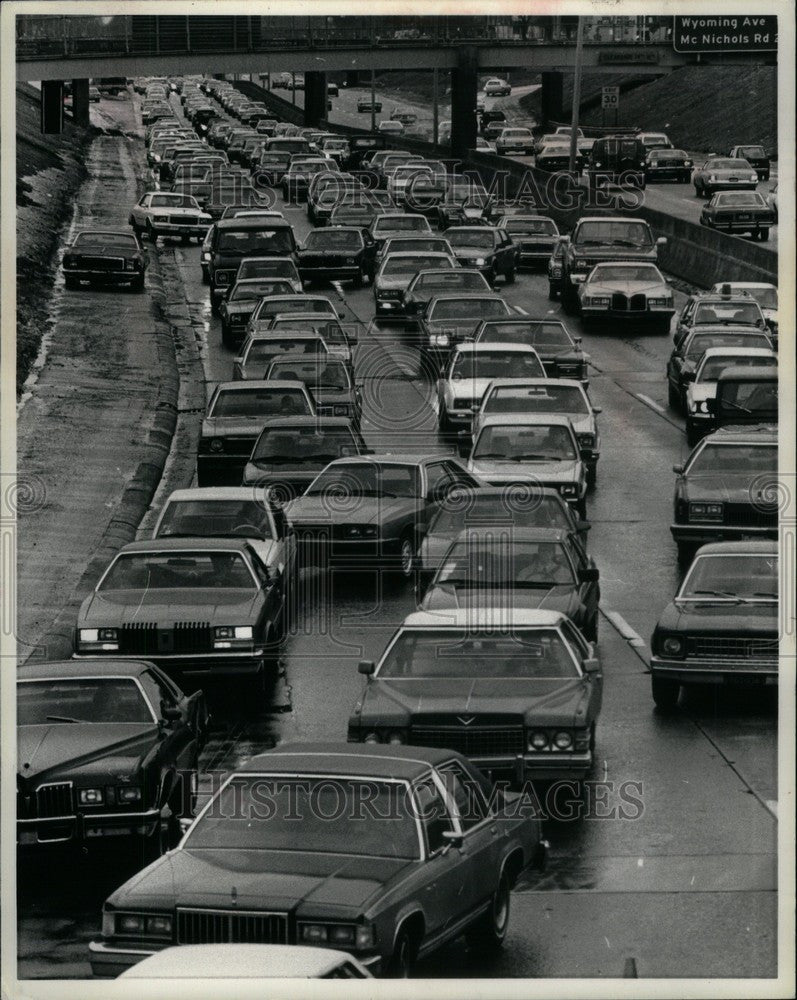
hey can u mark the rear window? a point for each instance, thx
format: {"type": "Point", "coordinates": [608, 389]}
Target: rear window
{"type": "Point", "coordinates": [469, 309]}
{"type": "Point", "coordinates": [261, 402]}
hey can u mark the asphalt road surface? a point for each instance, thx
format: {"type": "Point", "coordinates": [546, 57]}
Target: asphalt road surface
{"type": "Point", "coordinates": [672, 872]}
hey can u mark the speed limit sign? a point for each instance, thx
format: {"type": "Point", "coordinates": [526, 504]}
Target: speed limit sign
{"type": "Point", "coordinates": [610, 97]}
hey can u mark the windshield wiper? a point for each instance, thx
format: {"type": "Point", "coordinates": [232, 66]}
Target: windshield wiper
{"type": "Point", "coordinates": [532, 457]}
{"type": "Point", "coordinates": [61, 718]}
{"type": "Point", "coordinates": [720, 593]}
{"type": "Point", "coordinates": [736, 406]}
{"type": "Point", "coordinates": [494, 454]}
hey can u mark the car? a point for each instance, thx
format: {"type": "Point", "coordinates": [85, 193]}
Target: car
{"type": "Point", "coordinates": [419, 243]}
{"type": "Point", "coordinates": [428, 284]}
{"type": "Point", "coordinates": [271, 168]}
{"type": "Point", "coordinates": [721, 628]}
{"type": "Point", "coordinates": [491, 116]}
{"type": "Point", "coordinates": [627, 292]}
{"type": "Point", "coordinates": [361, 146]}
{"type": "Point", "coordinates": [260, 349]}
{"type": "Point", "coordinates": [391, 128]}
{"type": "Point", "coordinates": [282, 268]}
{"type": "Point", "coordinates": [292, 451]}
{"type": "Point", "coordinates": [555, 268]}
{"type": "Point", "coordinates": [739, 212]}
{"type": "Point", "coordinates": [518, 692]}
{"type": "Point", "coordinates": [668, 165]}
{"type": "Point", "coordinates": [235, 610]}
{"type": "Point", "coordinates": [617, 160]}
{"type": "Point", "coordinates": [719, 308]}
{"type": "Point", "coordinates": [326, 191]}
{"type": "Point", "coordinates": [727, 489]}
{"type": "Point", "coordinates": [296, 145]}
{"type": "Point", "coordinates": [721, 173]}
{"type": "Point", "coordinates": [654, 140]}
{"type": "Point", "coordinates": [389, 224]}
{"type": "Point", "coordinates": [470, 369]}
{"type": "Point", "coordinates": [266, 127]}
{"type": "Point", "coordinates": [299, 175]}
{"type": "Point", "coordinates": [240, 302]}
{"type": "Point", "coordinates": [517, 569]}
{"type": "Point", "coordinates": [765, 294]}
{"type": "Point", "coordinates": [232, 512]}
{"type": "Point", "coordinates": [538, 448]}
{"type": "Point", "coordinates": [492, 129]}
{"type": "Point", "coordinates": [604, 238]}
{"type": "Point", "coordinates": [104, 256]}
{"type": "Point", "coordinates": [511, 141]}
{"type": "Point", "coordinates": [452, 318]}
{"type": "Point", "coordinates": [247, 961]}
{"type": "Point", "coordinates": [466, 202]}
{"type": "Point", "coordinates": [339, 339]}
{"type": "Point", "coordinates": [756, 156]}
{"type": "Point", "coordinates": [235, 416]}
{"type": "Point", "coordinates": [417, 186]}
{"type": "Point", "coordinates": [337, 148]}
{"type": "Point", "coordinates": [492, 506]}
{"type": "Point", "coordinates": [534, 237]}
{"type": "Point", "coordinates": [365, 104]}
{"type": "Point", "coordinates": [106, 753]}
{"type": "Point", "coordinates": [404, 115]}
{"type": "Point", "coordinates": [274, 305]}
{"type": "Point", "coordinates": [404, 905]}
{"type": "Point", "coordinates": [554, 156]}
{"type": "Point", "coordinates": [546, 395]}
{"type": "Point", "coordinates": [560, 353]}
{"type": "Point", "coordinates": [233, 240]}
{"type": "Point", "coordinates": [398, 271]}
{"type": "Point", "coordinates": [567, 130]}
{"type": "Point", "coordinates": [388, 499]}
{"type": "Point", "coordinates": [486, 248]}
{"type": "Point", "coordinates": [340, 253]}
{"type": "Point", "coordinates": [701, 391]}
{"type": "Point", "coordinates": [746, 395]}
{"type": "Point", "coordinates": [328, 380]}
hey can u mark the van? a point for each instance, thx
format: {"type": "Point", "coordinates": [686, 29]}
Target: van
{"type": "Point", "coordinates": [617, 157]}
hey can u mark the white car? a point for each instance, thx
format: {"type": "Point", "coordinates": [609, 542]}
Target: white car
{"type": "Point", "coordinates": [418, 179]}
{"type": "Point", "coordinates": [388, 127]}
{"type": "Point", "coordinates": [496, 87]}
{"type": "Point", "coordinates": [247, 961]}
{"type": "Point", "coordinates": [167, 213]}
{"type": "Point", "coordinates": [515, 140]}
{"type": "Point", "coordinates": [766, 296]}
{"type": "Point", "coordinates": [699, 419]}
{"type": "Point", "coordinates": [470, 370]}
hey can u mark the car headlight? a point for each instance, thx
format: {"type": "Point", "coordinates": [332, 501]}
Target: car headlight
{"type": "Point", "coordinates": [130, 264]}
{"type": "Point", "coordinates": [361, 531]}
{"type": "Point", "coordinates": [479, 261]}
{"type": "Point", "coordinates": [705, 511]}
{"type": "Point", "coordinates": [598, 300]}
{"type": "Point", "coordinates": [206, 255]}
{"type": "Point", "coordinates": [538, 740]}
{"type": "Point", "coordinates": [156, 925]}
{"type": "Point", "coordinates": [222, 278]}
{"type": "Point", "coordinates": [568, 489]}
{"type": "Point", "coordinates": [216, 444]}
{"type": "Point", "coordinates": [91, 796]}
{"type": "Point", "coordinates": [69, 261]}
{"type": "Point", "coordinates": [712, 178]}
{"type": "Point", "coordinates": [687, 163]}
{"type": "Point", "coordinates": [345, 936]}
{"type": "Point", "coordinates": [753, 177]}
{"type": "Point", "coordinates": [106, 639]}
{"type": "Point", "coordinates": [672, 646]}
{"type": "Point", "coordinates": [663, 300]}
{"type": "Point", "coordinates": [563, 740]}
{"type": "Point", "coordinates": [439, 340]}
{"type": "Point", "coordinates": [128, 794]}
{"type": "Point", "coordinates": [243, 632]}
{"type": "Point", "coordinates": [586, 440]}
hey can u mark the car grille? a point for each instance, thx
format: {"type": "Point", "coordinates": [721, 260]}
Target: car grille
{"type": "Point", "coordinates": [183, 220]}
{"type": "Point", "coordinates": [481, 738]}
{"type": "Point", "coordinates": [146, 639]}
{"type": "Point", "coordinates": [139, 638]}
{"type": "Point", "coordinates": [192, 637]}
{"type": "Point", "coordinates": [535, 247]}
{"type": "Point", "coordinates": [324, 260]}
{"type": "Point", "coordinates": [746, 515]}
{"type": "Point", "coordinates": [624, 303]}
{"type": "Point", "coordinates": [732, 647]}
{"type": "Point", "coordinates": [229, 926]}
{"type": "Point", "coordinates": [54, 800]}
{"type": "Point", "coordinates": [102, 263]}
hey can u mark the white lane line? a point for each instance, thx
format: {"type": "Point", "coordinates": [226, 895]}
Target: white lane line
{"type": "Point", "coordinates": [650, 402]}
{"type": "Point", "coordinates": [772, 805]}
{"type": "Point", "coordinates": [521, 310]}
{"type": "Point", "coordinates": [625, 630]}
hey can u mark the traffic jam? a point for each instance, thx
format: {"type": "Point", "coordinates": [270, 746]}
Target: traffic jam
{"type": "Point", "coordinates": [406, 525]}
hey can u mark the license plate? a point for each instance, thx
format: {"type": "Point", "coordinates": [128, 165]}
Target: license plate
{"type": "Point", "coordinates": [733, 179]}
{"type": "Point", "coordinates": [746, 681]}
{"type": "Point", "coordinates": [743, 218]}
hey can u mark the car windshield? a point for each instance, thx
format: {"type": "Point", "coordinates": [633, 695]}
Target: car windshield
{"type": "Point", "coordinates": [466, 509]}
{"type": "Point", "coordinates": [333, 239]}
{"type": "Point", "coordinates": [281, 160]}
{"type": "Point", "coordinates": [757, 152]}
{"type": "Point", "coordinates": [519, 443]}
{"type": "Point", "coordinates": [531, 227]}
{"type": "Point", "coordinates": [254, 242]}
{"type": "Point", "coordinates": [174, 570]}
{"type": "Point", "coordinates": [247, 292]}
{"type": "Point", "coordinates": [265, 402]}
{"type": "Point", "coordinates": [208, 518]}
{"type": "Point", "coordinates": [713, 367]}
{"type": "Point", "coordinates": [114, 240]}
{"type": "Point", "coordinates": [505, 563]}
{"type": "Point", "coordinates": [411, 265]}
{"type": "Point", "coordinates": [549, 335]}
{"type": "Point", "coordinates": [742, 576]}
{"type": "Point", "coordinates": [418, 245]}
{"type": "Point", "coordinates": [296, 445]}
{"type": "Point", "coordinates": [400, 223]}
{"type": "Point", "coordinates": [275, 306]}
{"type": "Point", "coordinates": [366, 479]}
{"type": "Point", "coordinates": [550, 398]}
{"type": "Point", "coordinates": [309, 167]}
{"type": "Point", "coordinates": [318, 374]}
{"type": "Point", "coordinates": [481, 239]}
{"type": "Point", "coordinates": [468, 281]}
{"type": "Point", "coordinates": [627, 272]}
{"type": "Point", "coordinates": [735, 459]}
{"type": "Point", "coordinates": [83, 699]}
{"type": "Point", "coordinates": [450, 653]}
{"type": "Point", "coordinates": [711, 313]}
{"type": "Point", "coordinates": [284, 268]}
{"type": "Point", "coordinates": [667, 154]}
{"type": "Point", "coordinates": [698, 345]}
{"type": "Point", "coordinates": [310, 815]}
{"type": "Point", "coordinates": [602, 232]}
{"type": "Point", "coordinates": [172, 201]}
{"type": "Point", "coordinates": [474, 309]}
{"type": "Point", "coordinates": [496, 364]}
{"type": "Point", "coordinates": [747, 199]}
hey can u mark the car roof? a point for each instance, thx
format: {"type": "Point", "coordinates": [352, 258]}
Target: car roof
{"type": "Point", "coordinates": [610, 218]}
{"type": "Point", "coordinates": [524, 217]}
{"type": "Point", "coordinates": [390, 458]}
{"type": "Point", "coordinates": [252, 223]}
{"type": "Point", "coordinates": [413, 255]}
{"type": "Point", "coordinates": [469, 618]}
{"type": "Point", "coordinates": [214, 492]}
{"type": "Point", "coordinates": [764, 546]}
{"type": "Point", "coordinates": [251, 384]}
{"type": "Point", "coordinates": [750, 434]}
{"type": "Point", "coordinates": [470, 229]}
{"type": "Point", "coordinates": [500, 491]}
{"type": "Point", "coordinates": [248, 282]}
{"type": "Point", "coordinates": [241, 961]}
{"type": "Point", "coordinates": [737, 329]}
{"type": "Point", "coordinates": [527, 419]}
{"type": "Point", "coordinates": [270, 259]}
{"type": "Point", "coordinates": [742, 285]}
{"type": "Point", "coordinates": [514, 383]}
{"type": "Point", "coordinates": [127, 233]}
{"type": "Point", "coordinates": [284, 333]}
{"type": "Point", "coordinates": [187, 544]}
{"type": "Point", "coordinates": [744, 352]}
{"type": "Point", "coordinates": [459, 296]}
{"type": "Point", "coordinates": [285, 423]}
{"type": "Point", "coordinates": [747, 374]}
{"type": "Point", "coordinates": [367, 760]}
{"type": "Point", "coordinates": [81, 668]}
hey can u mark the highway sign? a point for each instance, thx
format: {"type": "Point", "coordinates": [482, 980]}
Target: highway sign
{"type": "Point", "coordinates": [610, 97]}
{"type": "Point", "coordinates": [725, 34]}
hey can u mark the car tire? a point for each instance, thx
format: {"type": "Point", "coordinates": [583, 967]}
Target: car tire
{"type": "Point", "coordinates": [214, 306]}
{"type": "Point", "coordinates": [510, 276]}
{"type": "Point", "coordinates": [592, 475]}
{"type": "Point", "coordinates": [403, 958]}
{"type": "Point", "coordinates": [488, 933]}
{"type": "Point", "coordinates": [673, 398]}
{"type": "Point", "coordinates": [152, 236]}
{"type": "Point", "coordinates": [763, 235]}
{"type": "Point", "coordinates": [665, 693]}
{"type": "Point", "coordinates": [569, 300]}
{"type": "Point", "coordinates": [406, 557]}
{"type": "Point", "coordinates": [552, 292]}
{"type": "Point", "coordinates": [138, 284]}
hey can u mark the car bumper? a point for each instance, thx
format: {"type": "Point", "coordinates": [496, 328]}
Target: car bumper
{"type": "Point", "coordinates": [175, 229]}
{"type": "Point", "coordinates": [719, 671]}
{"type": "Point", "coordinates": [389, 307]}
{"type": "Point", "coordinates": [221, 471]}
{"type": "Point", "coordinates": [539, 766]}
{"type": "Point", "coordinates": [730, 185]}
{"type": "Point", "coordinates": [339, 272]}
{"type": "Point", "coordinates": [698, 534]}
{"type": "Point", "coordinates": [637, 315]}
{"type": "Point", "coordinates": [669, 174]}
{"type": "Point", "coordinates": [750, 225]}
{"type": "Point", "coordinates": [109, 961]}
{"type": "Point", "coordinates": [317, 549]}
{"type": "Point", "coordinates": [233, 663]}
{"type": "Point", "coordinates": [535, 257]}
{"type": "Point", "coordinates": [460, 418]}
{"type": "Point", "coordinates": [85, 829]}
{"type": "Point", "coordinates": [104, 277]}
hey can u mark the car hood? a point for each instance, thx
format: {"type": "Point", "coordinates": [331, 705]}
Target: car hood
{"type": "Point", "coordinates": [628, 287]}
{"type": "Point", "coordinates": [728, 487]}
{"type": "Point", "coordinates": [553, 701]}
{"type": "Point", "coordinates": [471, 253]}
{"type": "Point", "coordinates": [368, 510]}
{"type": "Point", "coordinates": [718, 617]}
{"type": "Point", "coordinates": [259, 880]}
{"type": "Point", "coordinates": [398, 281]}
{"type": "Point", "coordinates": [43, 749]}
{"type": "Point", "coordinates": [549, 472]}
{"type": "Point", "coordinates": [445, 596]}
{"type": "Point", "coordinates": [180, 604]}
{"type": "Point", "coordinates": [467, 388]}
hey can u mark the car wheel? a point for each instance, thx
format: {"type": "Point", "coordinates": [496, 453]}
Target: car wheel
{"type": "Point", "coordinates": [359, 278]}
{"type": "Point", "coordinates": [569, 300]}
{"type": "Point", "coordinates": [672, 396]}
{"type": "Point", "coordinates": [510, 276]}
{"type": "Point", "coordinates": [403, 957]}
{"type": "Point", "coordinates": [763, 235]}
{"type": "Point", "coordinates": [152, 236]}
{"type": "Point", "coordinates": [225, 335]}
{"type": "Point", "coordinates": [552, 292]}
{"type": "Point", "coordinates": [488, 933]}
{"type": "Point", "coordinates": [214, 305]}
{"type": "Point", "coordinates": [406, 557]}
{"type": "Point", "coordinates": [138, 284]}
{"type": "Point", "coordinates": [665, 693]}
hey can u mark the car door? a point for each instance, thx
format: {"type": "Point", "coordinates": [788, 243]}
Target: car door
{"type": "Point", "coordinates": [272, 585]}
{"type": "Point", "coordinates": [589, 590]}
{"type": "Point", "coordinates": [438, 478]}
{"type": "Point", "coordinates": [684, 322]}
{"type": "Point", "coordinates": [584, 650]}
{"type": "Point", "coordinates": [139, 212]}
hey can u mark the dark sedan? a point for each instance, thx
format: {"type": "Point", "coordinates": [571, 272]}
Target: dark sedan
{"type": "Point", "coordinates": [739, 212]}
{"type": "Point", "coordinates": [668, 165]}
{"type": "Point", "coordinates": [561, 355]}
{"type": "Point", "coordinates": [428, 284]}
{"type": "Point", "coordinates": [284, 853]}
{"type": "Point", "coordinates": [451, 319]}
{"type": "Point", "coordinates": [722, 626]}
{"type": "Point", "coordinates": [343, 253]}
{"type": "Point", "coordinates": [486, 248]}
{"type": "Point", "coordinates": [240, 302]}
{"type": "Point", "coordinates": [105, 257]}
{"type": "Point", "coordinates": [105, 750]}
{"type": "Point", "coordinates": [518, 692]}
{"type": "Point", "coordinates": [534, 237]}
{"type": "Point", "coordinates": [328, 381]}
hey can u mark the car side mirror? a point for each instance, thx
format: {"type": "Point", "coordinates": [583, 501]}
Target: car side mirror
{"type": "Point", "coordinates": [366, 667]}
{"type": "Point", "coordinates": [170, 713]}
{"type": "Point", "coordinates": [185, 822]}
{"type": "Point", "coordinates": [597, 409]}
{"type": "Point", "coordinates": [452, 838]}
{"type": "Point", "coordinates": [678, 470]}
{"type": "Point", "coordinates": [583, 526]}
{"type": "Point", "coordinates": [661, 241]}
{"type": "Point", "coordinates": [591, 665]}
{"type": "Point", "coordinates": [589, 574]}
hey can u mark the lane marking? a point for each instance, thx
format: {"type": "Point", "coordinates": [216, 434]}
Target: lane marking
{"type": "Point", "coordinates": [521, 310]}
{"type": "Point", "coordinates": [633, 638]}
{"type": "Point", "coordinates": [650, 402]}
{"type": "Point", "coordinates": [772, 805]}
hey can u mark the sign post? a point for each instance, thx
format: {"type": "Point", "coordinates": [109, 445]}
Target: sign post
{"type": "Point", "coordinates": [610, 99]}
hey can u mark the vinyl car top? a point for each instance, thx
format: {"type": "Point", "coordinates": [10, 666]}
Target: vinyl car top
{"type": "Point", "coordinates": [371, 760]}
{"type": "Point", "coordinates": [60, 669]}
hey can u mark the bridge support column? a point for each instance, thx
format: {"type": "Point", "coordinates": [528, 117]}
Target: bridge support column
{"type": "Point", "coordinates": [551, 97]}
{"type": "Point", "coordinates": [80, 102]}
{"type": "Point", "coordinates": [52, 107]}
{"type": "Point", "coordinates": [315, 97]}
{"type": "Point", "coordinates": [352, 78]}
{"type": "Point", "coordinates": [464, 88]}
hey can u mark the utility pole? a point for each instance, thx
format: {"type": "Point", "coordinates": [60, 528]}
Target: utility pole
{"type": "Point", "coordinates": [435, 108]}
{"type": "Point", "coordinates": [293, 87]}
{"type": "Point", "coordinates": [576, 96]}
{"type": "Point", "coordinates": [373, 99]}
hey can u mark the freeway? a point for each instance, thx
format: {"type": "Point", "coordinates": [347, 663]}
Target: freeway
{"type": "Point", "coordinates": [683, 882]}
